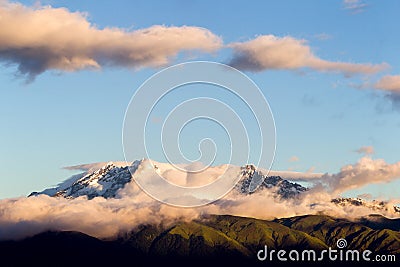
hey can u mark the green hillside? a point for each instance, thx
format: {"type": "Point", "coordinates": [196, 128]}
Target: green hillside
{"type": "Point", "coordinates": [232, 235]}
{"type": "Point", "coordinates": [358, 235]}
{"type": "Point", "coordinates": [216, 240]}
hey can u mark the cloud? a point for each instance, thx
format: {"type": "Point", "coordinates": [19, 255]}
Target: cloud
{"type": "Point", "coordinates": [85, 167]}
{"type": "Point", "coordinates": [294, 159]}
{"type": "Point", "coordinates": [365, 196]}
{"type": "Point", "coordinates": [107, 218]}
{"type": "Point", "coordinates": [366, 150]}
{"type": "Point", "coordinates": [390, 83]}
{"type": "Point", "coordinates": [297, 176]}
{"type": "Point", "coordinates": [395, 99]}
{"type": "Point", "coordinates": [365, 171]}
{"type": "Point", "coordinates": [355, 6]}
{"type": "Point", "coordinates": [43, 38]}
{"type": "Point", "coordinates": [98, 217]}
{"type": "Point", "coordinates": [271, 52]}
{"type": "Point", "coordinates": [311, 169]}
{"type": "Point", "coordinates": [90, 167]}
{"type": "Point", "coordinates": [323, 36]}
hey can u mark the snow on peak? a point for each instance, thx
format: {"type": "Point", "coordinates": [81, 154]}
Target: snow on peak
{"type": "Point", "coordinates": [104, 182]}
{"type": "Point", "coordinates": [253, 180]}
{"type": "Point", "coordinates": [108, 179]}
{"type": "Point", "coordinates": [375, 205]}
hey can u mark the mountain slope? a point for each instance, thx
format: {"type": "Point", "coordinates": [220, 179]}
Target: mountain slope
{"type": "Point", "coordinates": [196, 239]}
{"type": "Point", "coordinates": [60, 249]}
{"type": "Point", "coordinates": [254, 180]}
{"type": "Point", "coordinates": [107, 180]}
{"type": "Point", "coordinates": [254, 233]}
{"type": "Point", "coordinates": [104, 182]}
{"type": "Point", "coordinates": [379, 222]}
{"type": "Point", "coordinates": [111, 178]}
{"type": "Point", "coordinates": [214, 240]}
{"type": "Point", "coordinates": [357, 235]}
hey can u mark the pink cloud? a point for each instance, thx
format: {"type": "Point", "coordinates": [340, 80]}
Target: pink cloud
{"type": "Point", "coordinates": [43, 38]}
{"type": "Point", "coordinates": [272, 52]}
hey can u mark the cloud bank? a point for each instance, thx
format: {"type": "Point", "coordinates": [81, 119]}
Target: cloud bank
{"type": "Point", "coordinates": [271, 52]}
{"type": "Point", "coordinates": [107, 218]}
{"type": "Point", "coordinates": [45, 38]}
{"type": "Point", "coordinates": [42, 38]}
{"type": "Point", "coordinates": [365, 171]}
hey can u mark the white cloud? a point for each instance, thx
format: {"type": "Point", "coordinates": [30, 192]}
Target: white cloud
{"type": "Point", "coordinates": [272, 52]}
{"type": "Point", "coordinates": [355, 6]}
{"type": "Point", "coordinates": [323, 36]}
{"type": "Point", "coordinates": [94, 166]}
{"type": "Point", "coordinates": [43, 38]}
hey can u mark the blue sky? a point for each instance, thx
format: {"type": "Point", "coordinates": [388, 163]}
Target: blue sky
{"type": "Point", "coordinates": [64, 118]}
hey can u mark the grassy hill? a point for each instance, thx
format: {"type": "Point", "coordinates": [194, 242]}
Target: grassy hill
{"type": "Point", "coordinates": [215, 239]}
{"type": "Point", "coordinates": [357, 234]}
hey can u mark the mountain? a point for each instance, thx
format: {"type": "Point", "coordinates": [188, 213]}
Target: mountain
{"type": "Point", "coordinates": [216, 240]}
{"type": "Point", "coordinates": [374, 205]}
{"type": "Point", "coordinates": [358, 235]}
{"type": "Point", "coordinates": [63, 249]}
{"type": "Point", "coordinates": [253, 180]}
{"type": "Point", "coordinates": [104, 182]}
{"type": "Point", "coordinates": [107, 180]}
{"type": "Point", "coordinates": [379, 222]}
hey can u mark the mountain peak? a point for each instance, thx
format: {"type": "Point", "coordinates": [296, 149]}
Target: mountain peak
{"type": "Point", "coordinates": [254, 180]}
{"type": "Point", "coordinates": [111, 177]}
{"type": "Point", "coordinates": [375, 205]}
{"type": "Point", "coordinates": [107, 180]}
{"type": "Point", "coordinates": [103, 182]}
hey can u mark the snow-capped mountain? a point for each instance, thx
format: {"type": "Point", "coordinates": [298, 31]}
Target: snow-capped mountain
{"type": "Point", "coordinates": [104, 182]}
{"type": "Point", "coordinates": [374, 205]}
{"type": "Point", "coordinates": [254, 180]}
{"type": "Point", "coordinates": [107, 180]}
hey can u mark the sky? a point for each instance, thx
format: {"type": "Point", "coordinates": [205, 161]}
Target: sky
{"type": "Point", "coordinates": [68, 69]}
